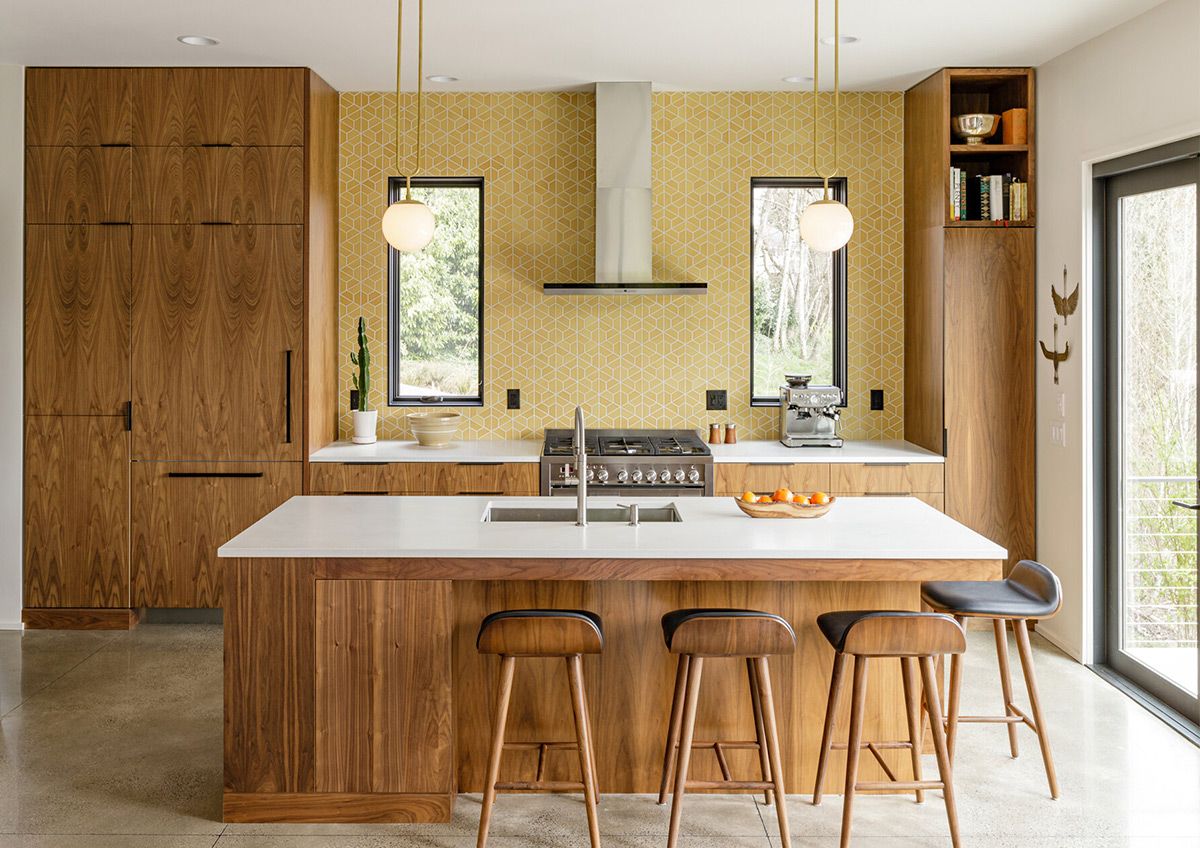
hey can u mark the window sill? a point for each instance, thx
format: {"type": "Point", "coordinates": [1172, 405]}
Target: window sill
{"type": "Point", "coordinates": [438, 404]}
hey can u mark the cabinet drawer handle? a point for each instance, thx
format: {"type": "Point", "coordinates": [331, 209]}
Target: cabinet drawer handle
{"type": "Point", "coordinates": [478, 464]}
{"type": "Point", "coordinates": [357, 492]}
{"type": "Point", "coordinates": [287, 393]}
{"type": "Point", "coordinates": [886, 494]}
{"type": "Point", "coordinates": [497, 494]}
{"type": "Point", "coordinates": [773, 464]}
{"type": "Point", "coordinates": [217, 144]}
{"type": "Point", "coordinates": [217, 223]}
{"type": "Point", "coordinates": [366, 463]}
{"type": "Point", "coordinates": [886, 464]}
{"type": "Point", "coordinates": [194, 475]}
{"type": "Point", "coordinates": [115, 144]}
{"type": "Point", "coordinates": [113, 223]}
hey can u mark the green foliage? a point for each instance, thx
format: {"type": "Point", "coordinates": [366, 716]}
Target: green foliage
{"type": "Point", "coordinates": [362, 380]}
{"type": "Point", "coordinates": [438, 336]}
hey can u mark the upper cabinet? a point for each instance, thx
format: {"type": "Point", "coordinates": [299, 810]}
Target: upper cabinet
{"type": "Point", "coordinates": [81, 107]}
{"type": "Point", "coordinates": [216, 107]}
{"type": "Point", "coordinates": [77, 185]}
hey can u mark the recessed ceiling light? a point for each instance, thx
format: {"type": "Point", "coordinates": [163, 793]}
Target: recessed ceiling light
{"type": "Point", "coordinates": [441, 78]}
{"type": "Point", "coordinates": [845, 39]}
{"type": "Point", "coordinates": [197, 40]}
{"type": "Point", "coordinates": [797, 79]}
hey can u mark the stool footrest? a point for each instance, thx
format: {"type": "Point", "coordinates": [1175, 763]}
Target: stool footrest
{"type": "Point", "coordinates": [541, 746]}
{"type": "Point", "coordinates": [757, 785]}
{"type": "Point", "coordinates": [540, 786]}
{"type": "Point", "coordinates": [1019, 717]}
{"type": "Point", "coordinates": [882, 746]}
{"type": "Point", "coordinates": [897, 785]}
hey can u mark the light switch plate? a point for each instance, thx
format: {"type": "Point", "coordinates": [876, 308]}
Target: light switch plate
{"type": "Point", "coordinates": [1060, 402]}
{"type": "Point", "coordinates": [1058, 433]}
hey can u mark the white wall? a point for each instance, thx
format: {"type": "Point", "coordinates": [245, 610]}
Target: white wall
{"type": "Point", "coordinates": [1134, 87]}
{"type": "Point", "coordinates": [12, 166]}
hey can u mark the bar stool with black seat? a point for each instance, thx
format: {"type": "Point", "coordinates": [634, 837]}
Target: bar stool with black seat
{"type": "Point", "coordinates": [1031, 592]}
{"type": "Point", "coordinates": [542, 633]}
{"type": "Point", "coordinates": [914, 638]}
{"type": "Point", "coordinates": [698, 634]}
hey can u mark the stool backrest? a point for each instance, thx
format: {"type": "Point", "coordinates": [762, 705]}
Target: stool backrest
{"type": "Point", "coordinates": [1039, 581]}
{"type": "Point", "coordinates": [900, 634]}
{"type": "Point", "coordinates": [543, 635]}
{"type": "Point", "coordinates": [734, 636]}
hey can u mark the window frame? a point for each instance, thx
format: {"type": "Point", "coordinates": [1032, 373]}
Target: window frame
{"type": "Point", "coordinates": [396, 187]}
{"type": "Point", "coordinates": [838, 191]}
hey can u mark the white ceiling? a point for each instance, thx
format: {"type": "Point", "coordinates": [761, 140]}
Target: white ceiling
{"type": "Point", "coordinates": [504, 45]}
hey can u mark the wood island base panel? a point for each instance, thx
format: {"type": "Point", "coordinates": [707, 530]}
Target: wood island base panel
{"type": "Point", "coordinates": [80, 618]}
{"type": "Point", "coordinates": [354, 693]}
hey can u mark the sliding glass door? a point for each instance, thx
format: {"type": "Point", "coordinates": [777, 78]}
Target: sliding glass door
{"type": "Point", "coordinates": [1154, 500]}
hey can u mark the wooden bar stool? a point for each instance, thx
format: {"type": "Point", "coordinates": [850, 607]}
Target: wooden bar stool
{"type": "Point", "coordinates": [1031, 592]}
{"type": "Point", "coordinates": [542, 633]}
{"type": "Point", "coordinates": [913, 638]}
{"type": "Point", "coordinates": [695, 634]}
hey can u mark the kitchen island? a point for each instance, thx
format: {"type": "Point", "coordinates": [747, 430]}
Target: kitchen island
{"type": "Point", "coordinates": [353, 691]}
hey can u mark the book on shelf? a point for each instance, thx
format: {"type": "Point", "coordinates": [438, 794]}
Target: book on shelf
{"type": "Point", "coordinates": [987, 197]}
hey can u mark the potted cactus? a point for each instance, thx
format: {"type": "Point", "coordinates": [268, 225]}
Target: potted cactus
{"type": "Point", "coordinates": [365, 418]}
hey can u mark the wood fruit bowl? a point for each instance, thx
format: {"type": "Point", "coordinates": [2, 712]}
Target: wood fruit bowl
{"type": "Point", "coordinates": [782, 509]}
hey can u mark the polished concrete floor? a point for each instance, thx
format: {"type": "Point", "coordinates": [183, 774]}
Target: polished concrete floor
{"type": "Point", "coordinates": [115, 740]}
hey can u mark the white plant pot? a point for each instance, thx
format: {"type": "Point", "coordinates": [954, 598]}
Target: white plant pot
{"type": "Point", "coordinates": [364, 426]}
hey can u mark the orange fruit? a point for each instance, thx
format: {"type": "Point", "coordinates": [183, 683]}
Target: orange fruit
{"type": "Point", "coordinates": [782, 495]}
{"type": "Point", "coordinates": [819, 498]}
{"type": "Point", "coordinates": [800, 499]}
{"type": "Point", "coordinates": [749, 497]}
{"type": "Point", "coordinates": [766, 499]}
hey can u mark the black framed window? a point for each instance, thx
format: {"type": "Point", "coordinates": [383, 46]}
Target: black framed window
{"type": "Point", "coordinates": [435, 300]}
{"type": "Point", "coordinates": [797, 295]}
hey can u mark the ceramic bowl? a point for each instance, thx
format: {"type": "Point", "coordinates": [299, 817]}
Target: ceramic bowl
{"type": "Point", "coordinates": [434, 429]}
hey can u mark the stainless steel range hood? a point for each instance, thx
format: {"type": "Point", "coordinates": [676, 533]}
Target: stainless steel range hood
{"type": "Point", "coordinates": [623, 204]}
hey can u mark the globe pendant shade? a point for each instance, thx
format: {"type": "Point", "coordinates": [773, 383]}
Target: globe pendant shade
{"type": "Point", "coordinates": [408, 225]}
{"type": "Point", "coordinates": [826, 225]}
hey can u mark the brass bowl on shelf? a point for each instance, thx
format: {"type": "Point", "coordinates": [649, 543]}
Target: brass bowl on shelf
{"type": "Point", "coordinates": [784, 509]}
{"type": "Point", "coordinates": [976, 127]}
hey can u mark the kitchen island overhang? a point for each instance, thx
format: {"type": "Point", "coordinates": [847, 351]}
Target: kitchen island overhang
{"type": "Point", "coordinates": [353, 692]}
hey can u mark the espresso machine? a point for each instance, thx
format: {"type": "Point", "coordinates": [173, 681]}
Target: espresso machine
{"type": "Point", "coordinates": [808, 415]}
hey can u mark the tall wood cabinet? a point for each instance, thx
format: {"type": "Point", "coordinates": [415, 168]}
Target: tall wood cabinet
{"type": "Point", "coordinates": [969, 308]}
{"type": "Point", "coordinates": [180, 324]}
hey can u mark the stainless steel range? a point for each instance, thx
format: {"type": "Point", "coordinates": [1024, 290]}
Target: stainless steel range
{"type": "Point", "coordinates": [629, 462]}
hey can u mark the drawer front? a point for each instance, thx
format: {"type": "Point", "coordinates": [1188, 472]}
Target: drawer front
{"type": "Point", "coordinates": [183, 511]}
{"type": "Point", "coordinates": [483, 478]}
{"type": "Point", "coordinates": [78, 106]}
{"type": "Point", "coordinates": [365, 478]}
{"type": "Point", "coordinates": [77, 185]}
{"type": "Point", "coordinates": [735, 478]}
{"type": "Point", "coordinates": [222, 185]}
{"type": "Point", "coordinates": [218, 106]}
{"type": "Point", "coordinates": [887, 479]}
{"type": "Point", "coordinates": [937, 500]}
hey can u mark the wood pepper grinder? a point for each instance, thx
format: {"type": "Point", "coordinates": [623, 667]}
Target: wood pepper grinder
{"type": "Point", "coordinates": [731, 433]}
{"type": "Point", "coordinates": [714, 433]}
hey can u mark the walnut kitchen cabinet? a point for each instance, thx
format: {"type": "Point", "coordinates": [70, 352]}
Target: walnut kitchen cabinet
{"type": "Point", "coordinates": [184, 511]}
{"type": "Point", "coordinates": [181, 244]}
{"type": "Point", "coordinates": [734, 478]}
{"type": "Point", "coordinates": [424, 478]}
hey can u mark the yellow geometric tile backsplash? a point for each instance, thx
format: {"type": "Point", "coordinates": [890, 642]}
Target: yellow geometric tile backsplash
{"type": "Point", "coordinates": [631, 361]}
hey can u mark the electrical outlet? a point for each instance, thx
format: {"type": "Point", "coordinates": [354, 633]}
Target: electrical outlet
{"type": "Point", "coordinates": [876, 399]}
{"type": "Point", "coordinates": [716, 399]}
{"type": "Point", "coordinates": [354, 398]}
{"type": "Point", "coordinates": [514, 398]}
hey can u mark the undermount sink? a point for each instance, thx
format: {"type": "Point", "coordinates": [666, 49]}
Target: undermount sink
{"type": "Point", "coordinates": [567, 515]}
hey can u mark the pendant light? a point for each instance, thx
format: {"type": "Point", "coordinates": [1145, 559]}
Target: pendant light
{"type": "Point", "coordinates": [408, 224]}
{"type": "Point", "coordinates": [826, 225]}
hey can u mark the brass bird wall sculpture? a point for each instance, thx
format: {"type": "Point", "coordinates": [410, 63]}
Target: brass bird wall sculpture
{"type": "Point", "coordinates": [1056, 356]}
{"type": "Point", "coordinates": [1065, 304]}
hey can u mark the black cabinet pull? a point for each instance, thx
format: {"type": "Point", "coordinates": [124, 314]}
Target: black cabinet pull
{"type": "Point", "coordinates": [479, 464]}
{"type": "Point", "coordinates": [197, 475]}
{"type": "Point", "coordinates": [217, 144]}
{"type": "Point", "coordinates": [217, 223]}
{"type": "Point", "coordinates": [497, 494]}
{"type": "Point", "coordinates": [287, 397]}
{"type": "Point", "coordinates": [115, 144]}
{"type": "Point", "coordinates": [128, 416]}
{"type": "Point", "coordinates": [358, 493]}
{"type": "Point", "coordinates": [113, 223]}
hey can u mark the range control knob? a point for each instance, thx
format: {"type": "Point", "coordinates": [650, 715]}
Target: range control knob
{"type": "Point", "coordinates": [693, 475]}
{"type": "Point", "coordinates": [591, 474]}
{"type": "Point", "coordinates": [651, 476]}
{"type": "Point", "coordinates": [602, 474]}
{"type": "Point", "coordinates": [637, 475]}
{"type": "Point", "coordinates": [623, 475]}
{"type": "Point", "coordinates": [679, 475]}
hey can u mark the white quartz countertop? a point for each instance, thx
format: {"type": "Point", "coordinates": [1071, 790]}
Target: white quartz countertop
{"type": "Point", "coordinates": [712, 528]}
{"type": "Point", "coordinates": [392, 450]}
{"type": "Point", "coordinates": [760, 451]}
{"type": "Point", "coordinates": [529, 450]}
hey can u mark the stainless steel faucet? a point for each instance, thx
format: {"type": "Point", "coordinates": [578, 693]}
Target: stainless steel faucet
{"type": "Point", "coordinates": [580, 470]}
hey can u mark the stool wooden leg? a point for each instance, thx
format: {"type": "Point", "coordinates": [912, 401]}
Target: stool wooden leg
{"type": "Point", "coordinates": [858, 698]}
{"type": "Point", "coordinates": [684, 753]}
{"type": "Point", "coordinates": [583, 740]}
{"type": "Point", "coordinates": [681, 676]}
{"type": "Point", "coordinates": [1005, 682]}
{"type": "Point", "coordinates": [591, 736]}
{"type": "Point", "coordinates": [952, 707]}
{"type": "Point", "coordinates": [933, 704]}
{"type": "Point", "coordinates": [1035, 703]}
{"type": "Point", "coordinates": [835, 692]}
{"type": "Point", "coordinates": [499, 720]}
{"type": "Point", "coordinates": [771, 731]}
{"type": "Point", "coordinates": [912, 708]}
{"type": "Point", "coordinates": [764, 760]}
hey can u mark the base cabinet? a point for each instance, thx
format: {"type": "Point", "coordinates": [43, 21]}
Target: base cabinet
{"type": "Point", "coordinates": [424, 478]}
{"type": "Point", "coordinates": [184, 511]}
{"type": "Point", "coordinates": [923, 480]}
{"type": "Point", "coordinates": [76, 511]}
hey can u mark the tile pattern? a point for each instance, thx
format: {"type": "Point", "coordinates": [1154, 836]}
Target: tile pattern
{"type": "Point", "coordinates": [641, 361]}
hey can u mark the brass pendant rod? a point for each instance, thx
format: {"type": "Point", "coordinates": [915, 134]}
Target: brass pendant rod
{"type": "Point", "coordinates": [408, 173]}
{"type": "Point", "coordinates": [837, 85]}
